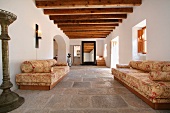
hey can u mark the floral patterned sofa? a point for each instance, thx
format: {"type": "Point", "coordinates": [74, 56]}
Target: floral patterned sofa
{"type": "Point", "coordinates": [149, 80]}
{"type": "Point", "coordinates": [41, 74]}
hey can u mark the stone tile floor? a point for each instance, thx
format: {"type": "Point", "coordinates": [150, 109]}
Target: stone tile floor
{"type": "Point", "coordinates": [86, 89]}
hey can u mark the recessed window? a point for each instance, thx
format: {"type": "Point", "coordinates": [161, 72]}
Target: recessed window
{"type": "Point", "coordinates": [142, 41]}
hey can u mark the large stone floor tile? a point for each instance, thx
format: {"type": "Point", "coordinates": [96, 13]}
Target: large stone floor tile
{"type": "Point", "coordinates": [53, 91]}
{"type": "Point", "coordinates": [59, 102]}
{"type": "Point", "coordinates": [163, 111]}
{"type": "Point", "coordinates": [120, 90]}
{"type": "Point", "coordinates": [116, 84]}
{"type": "Point", "coordinates": [88, 76]}
{"type": "Point", "coordinates": [108, 101]}
{"type": "Point", "coordinates": [18, 110]}
{"type": "Point", "coordinates": [40, 101]}
{"type": "Point", "coordinates": [134, 101]}
{"type": "Point", "coordinates": [73, 76]}
{"type": "Point", "coordinates": [81, 85]}
{"type": "Point", "coordinates": [57, 90]}
{"type": "Point", "coordinates": [91, 79]}
{"type": "Point", "coordinates": [27, 93]}
{"type": "Point", "coordinates": [70, 91]}
{"type": "Point", "coordinates": [100, 111]}
{"type": "Point", "coordinates": [67, 111]}
{"type": "Point", "coordinates": [80, 79]}
{"type": "Point", "coordinates": [80, 101]}
{"type": "Point", "coordinates": [37, 111]}
{"type": "Point", "coordinates": [64, 85]}
{"type": "Point", "coordinates": [101, 84]}
{"type": "Point", "coordinates": [132, 110]}
{"type": "Point", "coordinates": [105, 79]}
{"type": "Point", "coordinates": [95, 91]}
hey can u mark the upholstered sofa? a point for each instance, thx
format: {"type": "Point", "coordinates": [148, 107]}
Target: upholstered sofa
{"type": "Point", "coordinates": [41, 74]}
{"type": "Point", "coordinates": [149, 80]}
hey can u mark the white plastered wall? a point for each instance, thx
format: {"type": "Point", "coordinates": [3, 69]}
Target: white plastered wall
{"type": "Point", "coordinates": [156, 13]}
{"type": "Point", "coordinates": [22, 33]}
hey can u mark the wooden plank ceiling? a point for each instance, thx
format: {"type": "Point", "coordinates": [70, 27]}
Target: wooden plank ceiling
{"type": "Point", "coordinates": [88, 47]}
{"type": "Point", "coordinates": [87, 18]}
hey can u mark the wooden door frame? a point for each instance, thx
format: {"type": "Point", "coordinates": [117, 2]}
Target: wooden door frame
{"type": "Point", "coordinates": [82, 52]}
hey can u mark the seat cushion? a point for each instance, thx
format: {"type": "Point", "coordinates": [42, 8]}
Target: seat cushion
{"type": "Point", "coordinates": [65, 69]}
{"type": "Point", "coordinates": [154, 89]}
{"type": "Point", "coordinates": [121, 72]}
{"type": "Point", "coordinates": [41, 78]}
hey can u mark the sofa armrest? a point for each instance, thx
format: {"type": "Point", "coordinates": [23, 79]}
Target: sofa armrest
{"type": "Point", "coordinates": [122, 66]}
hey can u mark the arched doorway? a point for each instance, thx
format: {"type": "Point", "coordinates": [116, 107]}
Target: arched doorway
{"type": "Point", "coordinates": [55, 47]}
{"type": "Point", "coordinates": [60, 49]}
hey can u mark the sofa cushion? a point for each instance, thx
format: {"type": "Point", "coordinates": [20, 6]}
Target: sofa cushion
{"type": "Point", "coordinates": [166, 66]}
{"type": "Point", "coordinates": [39, 66]}
{"type": "Point", "coordinates": [160, 76]}
{"type": "Point", "coordinates": [149, 65]}
{"type": "Point", "coordinates": [135, 64]}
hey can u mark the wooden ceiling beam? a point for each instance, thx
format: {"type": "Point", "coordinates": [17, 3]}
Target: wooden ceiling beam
{"type": "Point", "coordinates": [98, 21]}
{"type": "Point", "coordinates": [87, 33]}
{"type": "Point", "coordinates": [88, 25]}
{"type": "Point", "coordinates": [88, 11]}
{"type": "Point", "coordinates": [89, 45]}
{"type": "Point", "coordinates": [88, 17]}
{"type": "Point", "coordinates": [88, 48]}
{"type": "Point", "coordinates": [85, 3]}
{"type": "Point", "coordinates": [83, 24]}
{"type": "Point", "coordinates": [87, 36]}
{"type": "Point", "coordinates": [87, 30]}
{"type": "Point", "coordinates": [82, 37]}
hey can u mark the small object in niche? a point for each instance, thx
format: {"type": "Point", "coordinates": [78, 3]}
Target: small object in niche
{"type": "Point", "coordinates": [55, 57]}
{"type": "Point", "coordinates": [69, 59]}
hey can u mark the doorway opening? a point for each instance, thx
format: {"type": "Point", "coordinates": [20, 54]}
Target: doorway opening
{"type": "Point", "coordinates": [55, 51]}
{"type": "Point", "coordinates": [61, 49]}
{"type": "Point", "coordinates": [88, 52]}
{"type": "Point", "coordinates": [76, 55]}
{"type": "Point", "coordinates": [114, 44]}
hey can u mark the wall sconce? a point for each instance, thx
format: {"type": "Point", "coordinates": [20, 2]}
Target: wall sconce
{"type": "Point", "coordinates": [37, 36]}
